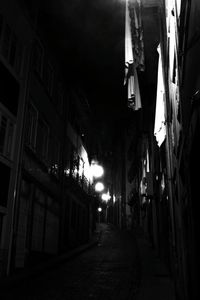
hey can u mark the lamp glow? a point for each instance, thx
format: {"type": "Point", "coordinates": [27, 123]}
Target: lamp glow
{"type": "Point", "coordinates": [96, 170]}
{"type": "Point", "coordinates": [99, 187]}
{"type": "Point", "coordinates": [105, 197]}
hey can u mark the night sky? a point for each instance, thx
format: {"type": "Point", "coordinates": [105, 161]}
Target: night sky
{"type": "Point", "coordinates": [89, 37]}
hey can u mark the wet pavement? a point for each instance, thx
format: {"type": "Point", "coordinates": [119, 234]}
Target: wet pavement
{"type": "Point", "coordinates": [120, 266]}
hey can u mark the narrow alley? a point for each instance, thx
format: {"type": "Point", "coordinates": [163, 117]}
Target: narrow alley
{"type": "Point", "coordinates": [118, 267]}
{"type": "Point", "coordinates": [99, 149]}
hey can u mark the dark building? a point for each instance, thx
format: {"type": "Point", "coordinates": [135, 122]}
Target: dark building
{"type": "Point", "coordinates": [46, 199]}
{"type": "Point", "coordinates": [162, 161]}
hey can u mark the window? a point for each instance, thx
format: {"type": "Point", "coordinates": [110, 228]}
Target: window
{"type": "Point", "coordinates": [42, 139]}
{"type": "Point", "coordinates": [38, 58]}
{"type": "Point", "coordinates": [5, 181]}
{"type": "Point", "coordinates": [10, 47]}
{"type": "Point", "coordinates": [6, 41]}
{"type": "Point", "coordinates": [9, 91]}
{"type": "Point", "coordinates": [31, 132]}
{"type": "Point", "coordinates": [6, 135]}
{"type": "Point", "coordinates": [45, 227]}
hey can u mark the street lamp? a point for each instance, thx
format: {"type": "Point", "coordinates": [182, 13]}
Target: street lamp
{"type": "Point", "coordinates": [106, 196]}
{"type": "Point", "coordinates": [99, 187]}
{"type": "Point", "coordinates": [99, 213]}
{"type": "Point", "coordinates": [97, 171]}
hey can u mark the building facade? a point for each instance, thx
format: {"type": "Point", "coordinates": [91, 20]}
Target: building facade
{"type": "Point", "coordinates": [46, 200]}
{"type": "Point", "coordinates": [162, 161]}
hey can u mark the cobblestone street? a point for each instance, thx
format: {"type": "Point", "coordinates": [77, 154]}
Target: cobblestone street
{"type": "Point", "coordinates": [110, 270]}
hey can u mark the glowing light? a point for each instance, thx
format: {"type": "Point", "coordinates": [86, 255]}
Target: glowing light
{"type": "Point", "coordinates": [81, 168]}
{"type": "Point", "coordinates": [67, 171]}
{"type": "Point", "coordinates": [106, 196]}
{"type": "Point", "coordinates": [99, 209]}
{"type": "Point", "coordinates": [96, 170]}
{"type": "Point", "coordinates": [86, 165]}
{"type": "Point", "coordinates": [99, 187]}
